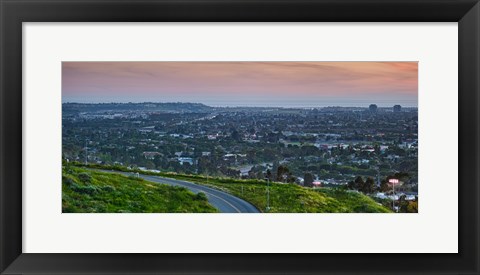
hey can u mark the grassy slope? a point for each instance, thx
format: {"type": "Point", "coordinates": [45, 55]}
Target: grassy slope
{"type": "Point", "coordinates": [291, 198]}
{"type": "Point", "coordinates": [284, 198]}
{"type": "Point", "coordinates": [88, 191]}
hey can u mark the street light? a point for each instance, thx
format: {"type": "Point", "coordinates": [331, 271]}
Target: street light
{"type": "Point", "coordinates": [86, 152]}
{"type": "Point", "coordinates": [268, 194]}
{"type": "Point", "coordinates": [393, 182]}
{"type": "Point", "coordinates": [206, 170]}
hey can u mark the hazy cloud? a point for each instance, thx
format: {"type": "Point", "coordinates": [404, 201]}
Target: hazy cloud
{"type": "Point", "coordinates": [310, 82]}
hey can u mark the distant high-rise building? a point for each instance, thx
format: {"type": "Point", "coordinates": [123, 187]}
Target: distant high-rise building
{"type": "Point", "coordinates": [397, 108]}
{"type": "Point", "coordinates": [373, 108]}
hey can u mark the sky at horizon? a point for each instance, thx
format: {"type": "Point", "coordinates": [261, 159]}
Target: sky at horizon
{"type": "Point", "coordinates": [268, 84]}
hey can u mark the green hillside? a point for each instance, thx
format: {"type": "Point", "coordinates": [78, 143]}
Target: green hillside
{"type": "Point", "coordinates": [284, 198]}
{"type": "Point", "coordinates": [291, 198]}
{"type": "Point", "coordinates": [89, 191]}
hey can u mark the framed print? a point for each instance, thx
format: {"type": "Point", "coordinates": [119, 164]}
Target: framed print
{"type": "Point", "coordinates": [239, 137]}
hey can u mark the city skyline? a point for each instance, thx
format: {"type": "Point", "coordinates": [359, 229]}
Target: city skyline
{"type": "Point", "coordinates": [248, 84]}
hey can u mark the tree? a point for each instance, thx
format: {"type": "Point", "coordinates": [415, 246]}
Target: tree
{"type": "Point", "coordinates": [149, 165]}
{"type": "Point", "coordinates": [412, 207]}
{"type": "Point", "coordinates": [368, 186]}
{"type": "Point", "coordinates": [282, 173]}
{"type": "Point", "coordinates": [269, 174]}
{"type": "Point", "coordinates": [403, 204]}
{"type": "Point", "coordinates": [235, 135]}
{"type": "Point", "coordinates": [309, 150]}
{"type": "Point", "coordinates": [187, 167]}
{"type": "Point", "coordinates": [204, 165]}
{"type": "Point", "coordinates": [358, 183]}
{"type": "Point", "coordinates": [290, 178]}
{"type": "Point", "coordinates": [308, 180]}
{"type": "Point", "coordinates": [351, 185]}
{"type": "Point", "coordinates": [384, 186]}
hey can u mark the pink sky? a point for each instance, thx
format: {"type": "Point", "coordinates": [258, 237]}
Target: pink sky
{"type": "Point", "coordinates": [300, 84]}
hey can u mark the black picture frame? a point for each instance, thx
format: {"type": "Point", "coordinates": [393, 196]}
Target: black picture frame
{"type": "Point", "coordinates": [14, 12]}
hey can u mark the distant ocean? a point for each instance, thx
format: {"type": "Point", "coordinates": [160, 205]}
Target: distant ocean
{"type": "Point", "coordinates": [258, 102]}
{"type": "Point", "coordinates": [309, 104]}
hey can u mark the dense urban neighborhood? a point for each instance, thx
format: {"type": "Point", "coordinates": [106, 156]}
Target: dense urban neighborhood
{"type": "Point", "coordinates": [370, 150]}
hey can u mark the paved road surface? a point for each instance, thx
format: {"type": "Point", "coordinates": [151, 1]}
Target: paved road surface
{"type": "Point", "coordinates": [224, 202]}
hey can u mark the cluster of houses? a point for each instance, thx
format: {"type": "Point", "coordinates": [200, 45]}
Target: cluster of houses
{"type": "Point", "coordinates": [396, 196]}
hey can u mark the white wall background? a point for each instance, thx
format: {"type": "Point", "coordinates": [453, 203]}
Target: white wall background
{"type": "Point", "coordinates": [433, 230]}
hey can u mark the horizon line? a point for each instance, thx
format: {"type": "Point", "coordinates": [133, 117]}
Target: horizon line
{"type": "Point", "coordinates": [243, 106]}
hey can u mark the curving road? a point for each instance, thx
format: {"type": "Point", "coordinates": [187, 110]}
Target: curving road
{"type": "Point", "coordinates": [224, 202]}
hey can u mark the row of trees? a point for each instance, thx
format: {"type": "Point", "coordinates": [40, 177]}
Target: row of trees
{"type": "Point", "coordinates": [282, 174]}
{"type": "Point", "coordinates": [367, 186]}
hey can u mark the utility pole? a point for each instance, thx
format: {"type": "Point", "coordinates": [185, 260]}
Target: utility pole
{"type": "Point", "coordinates": [393, 182]}
{"type": "Point", "coordinates": [86, 152]}
{"type": "Point", "coordinates": [268, 194]}
{"type": "Point", "coordinates": [393, 200]}
{"type": "Point", "coordinates": [377, 167]}
{"type": "Point", "coordinates": [378, 176]}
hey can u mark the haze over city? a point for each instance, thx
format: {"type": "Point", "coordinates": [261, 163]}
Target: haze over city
{"type": "Point", "coordinates": [250, 84]}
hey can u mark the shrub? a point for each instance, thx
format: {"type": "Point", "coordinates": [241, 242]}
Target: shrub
{"type": "Point", "coordinates": [85, 177]}
{"type": "Point", "coordinates": [201, 197]}
{"type": "Point", "coordinates": [108, 188]}
{"type": "Point", "coordinates": [68, 181]}
{"type": "Point", "coordinates": [89, 190]}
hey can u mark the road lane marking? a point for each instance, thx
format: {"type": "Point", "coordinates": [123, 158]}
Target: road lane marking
{"type": "Point", "coordinates": [201, 190]}
{"type": "Point", "coordinates": [178, 182]}
{"type": "Point", "coordinates": [238, 210]}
